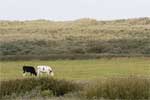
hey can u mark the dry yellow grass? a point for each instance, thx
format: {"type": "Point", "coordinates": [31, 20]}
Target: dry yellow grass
{"type": "Point", "coordinates": [82, 36]}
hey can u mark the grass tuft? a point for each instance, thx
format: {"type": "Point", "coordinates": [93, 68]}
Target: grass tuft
{"type": "Point", "coordinates": [57, 87]}
{"type": "Point", "coordinates": [119, 88]}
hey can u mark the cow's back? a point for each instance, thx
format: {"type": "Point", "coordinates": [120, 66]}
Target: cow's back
{"type": "Point", "coordinates": [28, 68]}
{"type": "Point", "coordinates": [43, 67]}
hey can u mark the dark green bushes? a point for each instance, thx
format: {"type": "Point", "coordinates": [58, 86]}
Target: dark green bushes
{"type": "Point", "coordinates": [79, 47]}
{"type": "Point", "coordinates": [84, 36]}
{"type": "Point", "coordinates": [58, 87]}
{"type": "Point", "coordinates": [131, 88]}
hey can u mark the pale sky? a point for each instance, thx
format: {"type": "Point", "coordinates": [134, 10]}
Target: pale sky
{"type": "Point", "coordinates": [61, 10]}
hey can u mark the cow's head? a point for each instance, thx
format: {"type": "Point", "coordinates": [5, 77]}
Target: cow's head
{"type": "Point", "coordinates": [35, 73]}
{"type": "Point", "coordinates": [51, 72]}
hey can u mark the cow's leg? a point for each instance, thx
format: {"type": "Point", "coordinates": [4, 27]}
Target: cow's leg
{"type": "Point", "coordinates": [31, 73]}
{"type": "Point", "coordinates": [38, 73]}
{"type": "Point", "coordinates": [34, 74]}
{"type": "Point", "coordinates": [47, 73]}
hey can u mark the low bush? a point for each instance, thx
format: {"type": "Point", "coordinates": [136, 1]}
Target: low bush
{"type": "Point", "coordinates": [47, 93]}
{"type": "Point", "coordinates": [130, 88]}
{"type": "Point", "coordinates": [57, 87]}
{"type": "Point", "coordinates": [83, 36]}
{"type": "Point", "coordinates": [24, 50]}
{"type": "Point", "coordinates": [119, 88]}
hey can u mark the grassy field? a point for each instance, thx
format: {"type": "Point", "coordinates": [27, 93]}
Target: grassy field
{"type": "Point", "coordinates": [83, 36]}
{"type": "Point", "coordinates": [111, 52]}
{"type": "Point", "coordinates": [82, 69]}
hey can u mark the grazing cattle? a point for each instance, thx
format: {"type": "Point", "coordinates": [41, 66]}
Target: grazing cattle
{"type": "Point", "coordinates": [44, 69]}
{"type": "Point", "coordinates": [29, 69]}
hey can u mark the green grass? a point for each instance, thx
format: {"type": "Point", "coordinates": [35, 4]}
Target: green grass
{"type": "Point", "coordinates": [105, 78]}
{"type": "Point", "coordinates": [84, 36]}
{"type": "Point", "coordinates": [130, 88]}
{"type": "Point", "coordinates": [43, 39]}
{"type": "Point", "coordinates": [82, 69]}
{"type": "Point", "coordinates": [57, 87]}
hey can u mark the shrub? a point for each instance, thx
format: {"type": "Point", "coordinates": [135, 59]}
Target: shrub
{"type": "Point", "coordinates": [45, 93]}
{"type": "Point", "coordinates": [82, 36]}
{"type": "Point", "coordinates": [132, 88]}
{"type": "Point", "coordinates": [57, 87]}
{"type": "Point", "coordinates": [119, 88]}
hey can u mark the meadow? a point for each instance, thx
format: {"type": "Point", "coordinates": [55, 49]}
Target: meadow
{"type": "Point", "coordinates": [91, 59]}
{"type": "Point", "coordinates": [82, 69]}
{"type": "Point", "coordinates": [105, 78]}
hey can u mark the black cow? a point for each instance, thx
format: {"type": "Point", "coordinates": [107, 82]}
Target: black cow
{"type": "Point", "coordinates": [29, 69]}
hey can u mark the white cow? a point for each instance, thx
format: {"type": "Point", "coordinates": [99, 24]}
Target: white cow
{"type": "Point", "coordinates": [44, 69]}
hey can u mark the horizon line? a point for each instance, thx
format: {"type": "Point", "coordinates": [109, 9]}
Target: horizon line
{"type": "Point", "coordinates": [97, 19]}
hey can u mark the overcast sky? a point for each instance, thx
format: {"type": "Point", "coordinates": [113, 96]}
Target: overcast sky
{"type": "Point", "coordinates": [73, 9]}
